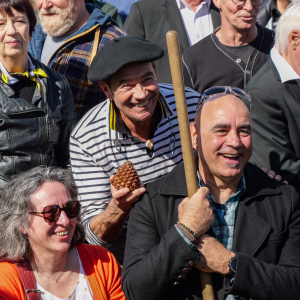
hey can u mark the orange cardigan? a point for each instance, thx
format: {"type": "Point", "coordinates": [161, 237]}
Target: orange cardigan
{"type": "Point", "coordinates": [100, 266]}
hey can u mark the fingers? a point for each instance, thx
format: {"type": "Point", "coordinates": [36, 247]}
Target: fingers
{"type": "Point", "coordinates": [285, 182]}
{"type": "Point", "coordinates": [277, 177]}
{"type": "Point", "coordinates": [271, 174]}
{"type": "Point", "coordinates": [265, 170]}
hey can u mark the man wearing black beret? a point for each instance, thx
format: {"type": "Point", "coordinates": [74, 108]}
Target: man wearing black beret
{"type": "Point", "coordinates": [138, 122]}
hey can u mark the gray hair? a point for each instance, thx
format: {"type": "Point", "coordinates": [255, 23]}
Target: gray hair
{"type": "Point", "coordinates": [15, 205]}
{"type": "Point", "coordinates": [289, 21]}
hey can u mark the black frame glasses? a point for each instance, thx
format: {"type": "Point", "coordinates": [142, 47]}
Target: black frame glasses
{"type": "Point", "coordinates": [243, 2]}
{"type": "Point", "coordinates": [51, 213]}
{"type": "Point", "coordinates": [221, 91]}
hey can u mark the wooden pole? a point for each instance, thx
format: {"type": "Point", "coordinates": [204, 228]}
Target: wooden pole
{"type": "Point", "coordinates": [185, 136]}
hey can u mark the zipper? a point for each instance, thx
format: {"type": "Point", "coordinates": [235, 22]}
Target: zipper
{"type": "Point", "coordinates": [47, 122]}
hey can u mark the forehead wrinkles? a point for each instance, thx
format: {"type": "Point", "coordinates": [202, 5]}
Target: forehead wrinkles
{"type": "Point", "coordinates": [225, 109]}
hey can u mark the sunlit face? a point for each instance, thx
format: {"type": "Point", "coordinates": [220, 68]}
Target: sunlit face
{"type": "Point", "coordinates": [240, 18]}
{"type": "Point", "coordinates": [14, 36]}
{"type": "Point", "coordinates": [57, 17]}
{"type": "Point", "coordinates": [53, 237]}
{"type": "Point", "coordinates": [224, 143]}
{"type": "Point", "coordinates": [135, 91]}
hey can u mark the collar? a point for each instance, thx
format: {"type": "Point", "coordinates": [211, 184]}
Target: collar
{"type": "Point", "coordinates": [115, 126]}
{"type": "Point", "coordinates": [181, 4]}
{"type": "Point", "coordinates": [240, 191]}
{"type": "Point", "coordinates": [285, 70]}
{"type": "Point", "coordinates": [258, 183]}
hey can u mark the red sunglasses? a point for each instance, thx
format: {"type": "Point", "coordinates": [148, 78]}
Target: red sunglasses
{"type": "Point", "coordinates": [51, 213]}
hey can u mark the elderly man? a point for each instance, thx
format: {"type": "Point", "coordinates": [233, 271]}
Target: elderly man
{"type": "Point", "coordinates": [233, 53]}
{"type": "Point", "coordinates": [138, 122]}
{"type": "Point", "coordinates": [240, 225]}
{"type": "Point", "coordinates": [68, 37]}
{"type": "Point", "coordinates": [276, 108]}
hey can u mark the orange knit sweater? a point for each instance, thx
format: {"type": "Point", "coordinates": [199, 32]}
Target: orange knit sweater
{"type": "Point", "coordinates": [100, 267]}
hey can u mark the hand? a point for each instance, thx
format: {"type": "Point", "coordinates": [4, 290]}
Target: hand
{"type": "Point", "coordinates": [195, 212]}
{"type": "Point", "coordinates": [273, 175]}
{"type": "Point", "coordinates": [124, 199]}
{"type": "Point", "coordinates": [215, 257]}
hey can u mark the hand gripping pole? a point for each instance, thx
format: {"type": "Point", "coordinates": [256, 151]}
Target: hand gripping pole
{"type": "Point", "coordinates": [186, 143]}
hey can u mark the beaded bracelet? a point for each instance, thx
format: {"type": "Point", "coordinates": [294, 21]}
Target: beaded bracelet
{"type": "Point", "coordinates": [189, 230]}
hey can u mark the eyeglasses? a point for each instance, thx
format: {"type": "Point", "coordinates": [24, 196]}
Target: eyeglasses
{"type": "Point", "coordinates": [52, 212]}
{"type": "Point", "coordinates": [241, 3]}
{"type": "Point", "coordinates": [221, 91]}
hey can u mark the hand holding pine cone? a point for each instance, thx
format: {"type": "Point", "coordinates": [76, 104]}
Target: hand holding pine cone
{"type": "Point", "coordinates": [126, 176]}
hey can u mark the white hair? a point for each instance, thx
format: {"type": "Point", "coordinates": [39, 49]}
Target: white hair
{"type": "Point", "coordinates": [289, 21]}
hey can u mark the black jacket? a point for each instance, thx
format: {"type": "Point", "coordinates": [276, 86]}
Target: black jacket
{"type": "Point", "coordinates": [36, 133]}
{"type": "Point", "coordinates": [266, 241]}
{"type": "Point", "coordinates": [152, 19]}
{"type": "Point", "coordinates": [209, 63]}
{"type": "Point", "coordinates": [276, 124]}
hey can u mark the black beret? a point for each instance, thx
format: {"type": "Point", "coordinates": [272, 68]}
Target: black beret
{"type": "Point", "coordinates": [120, 52]}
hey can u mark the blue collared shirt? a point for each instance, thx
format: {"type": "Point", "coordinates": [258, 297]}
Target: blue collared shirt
{"type": "Point", "coordinates": [225, 215]}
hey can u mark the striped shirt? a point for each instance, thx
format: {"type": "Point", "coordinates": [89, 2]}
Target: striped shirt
{"type": "Point", "coordinates": [97, 151]}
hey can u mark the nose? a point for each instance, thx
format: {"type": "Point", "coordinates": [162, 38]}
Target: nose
{"type": "Point", "coordinates": [11, 29]}
{"type": "Point", "coordinates": [44, 4]}
{"type": "Point", "coordinates": [63, 219]}
{"type": "Point", "coordinates": [248, 5]}
{"type": "Point", "coordinates": [139, 92]}
{"type": "Point", "coordinates": [233, 139]}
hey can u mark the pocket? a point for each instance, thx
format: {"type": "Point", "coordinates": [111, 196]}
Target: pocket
{"type": "Point", "coordinates": [278, 236]}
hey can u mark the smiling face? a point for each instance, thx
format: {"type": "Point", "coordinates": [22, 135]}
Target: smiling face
{"type": "Point", "coordinates": [135, 91]}
{"type": "Point", "coordinates": [14, 37]}
{"type": "Point", "coordinates": [238, 18]}
{"type": "Point", "coordinates": [224, 143]}
{"type": "Point", "coordinates": [53, 237]}
{"type": "Point", "coordinates": [57, 17]}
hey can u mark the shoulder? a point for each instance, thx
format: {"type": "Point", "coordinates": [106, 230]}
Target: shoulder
{"type": "Point", "coordinates": [206, 43]}
{"type": "Point", "coordinates": [10, 282]}
{"type": "Point", "coordinates": [94, 251]}
{"type": "Point", "coordinates": [90, 124]}
{"type": "Point", "coordinates": [268, 39]}
{"type": "Point", "coordinates": [145, 4]}
{"type": "Point", "coordinates": [112, 31]}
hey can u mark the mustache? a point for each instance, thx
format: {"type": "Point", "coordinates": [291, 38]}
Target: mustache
{"type": "Point", "coordinates": [51, 10]}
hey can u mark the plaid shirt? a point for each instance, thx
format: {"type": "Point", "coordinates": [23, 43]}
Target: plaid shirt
{"type": "Point", "coordinates": [223, 229]}
{"type": "Point", "coordinates": [73, 61]}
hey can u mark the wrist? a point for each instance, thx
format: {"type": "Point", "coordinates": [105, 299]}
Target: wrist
{"type": "Point", "coordinates": [230, 267]}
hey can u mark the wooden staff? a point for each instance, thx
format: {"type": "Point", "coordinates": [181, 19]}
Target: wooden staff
{"type": "Point", "coordinates": [185, 136]}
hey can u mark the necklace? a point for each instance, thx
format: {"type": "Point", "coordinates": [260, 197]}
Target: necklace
{"type": "Point", "coordinates": [56, 280]}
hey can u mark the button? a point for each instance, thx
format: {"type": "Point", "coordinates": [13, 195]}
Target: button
{"type": "Point", "coordinates": [175, 283]}
{"type": "Point", "coordinates": [218, 232]}
{"type": "Point", "coordinates": [191, 263]}
{"type": "Point", "coordinates": [248, 72]}
{"type": "Point", "coordinates": [238, 60]}
{"type": "Point", "coordinates": [180, 277]}
{"type": "Point", "coordinates": [186, 270]}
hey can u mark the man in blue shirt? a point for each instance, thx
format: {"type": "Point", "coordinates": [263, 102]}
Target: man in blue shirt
{"type": "Point", "coordinates": [241, 226]}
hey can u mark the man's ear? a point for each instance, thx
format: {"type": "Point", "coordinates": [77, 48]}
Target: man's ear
{"type": "Point", "coordinates": [106, 89]}
{"type": "Point", "coordinates": [294, 39]}
{"type": "Point", "coordinates": [217, 4]}
{"type": "Point", "coordinates": [194, 135]}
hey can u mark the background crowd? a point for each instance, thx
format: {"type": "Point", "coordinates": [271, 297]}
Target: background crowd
{"type": "Point", "coordinates": [86, 86]}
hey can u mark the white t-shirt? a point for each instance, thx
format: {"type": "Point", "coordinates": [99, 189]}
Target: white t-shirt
{"type": "Point", "coordinates": [82, 290]}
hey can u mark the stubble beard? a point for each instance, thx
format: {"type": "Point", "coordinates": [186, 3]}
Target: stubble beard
{"type": "Point", "coordinates": [62, 20]}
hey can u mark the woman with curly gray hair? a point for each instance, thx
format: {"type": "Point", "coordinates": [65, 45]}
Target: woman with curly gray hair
{"type": "Point", "coordinates": [42, 255]}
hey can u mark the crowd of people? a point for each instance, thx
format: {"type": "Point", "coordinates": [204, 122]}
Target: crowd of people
{"type": "Point", "coordinates": [80, 96]}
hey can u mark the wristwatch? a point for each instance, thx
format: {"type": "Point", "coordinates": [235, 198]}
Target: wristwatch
{"type": "Point", "coordinates": [232, 267]}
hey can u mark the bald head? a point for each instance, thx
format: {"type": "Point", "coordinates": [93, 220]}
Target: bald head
{"type": "Point", "coordinates": [222, 135]}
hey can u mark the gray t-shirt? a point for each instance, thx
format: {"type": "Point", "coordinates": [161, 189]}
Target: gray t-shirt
{"type": "Point", "coordinates": [51, 45]}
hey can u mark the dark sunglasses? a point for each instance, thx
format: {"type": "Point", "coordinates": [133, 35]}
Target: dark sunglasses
{"type": "Point", "coordinates": [220, 91]}
{"type": "Point", "coordinates": [51, 213]}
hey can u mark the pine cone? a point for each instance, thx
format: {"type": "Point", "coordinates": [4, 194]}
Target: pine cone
{"type": "Point", "coordinates": [126, 176]}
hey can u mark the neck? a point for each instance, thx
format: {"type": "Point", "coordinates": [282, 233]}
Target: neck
{"type": "Point", "coordinates": [49, 262]}
{"type": "Point", "coordinates": [229, 36]}
{"type": "Point", "coordinates": [140, 129]}
{"type": "Point", "coordinates": [83, 17]}
{"type": "Point", "coordinates": [221, 189]}
{"type": "Point", "coordinates": [282, 5]}
{"type": "Point", "coordinates": [16, 65]}
{"type": "Point", "coordinates": [193, 4]}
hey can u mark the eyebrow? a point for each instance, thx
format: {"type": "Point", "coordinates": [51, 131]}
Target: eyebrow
{"type": "Point", "coordinates": [122, 81]}
{"type": "Point", "coordinates": [226, 125]}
